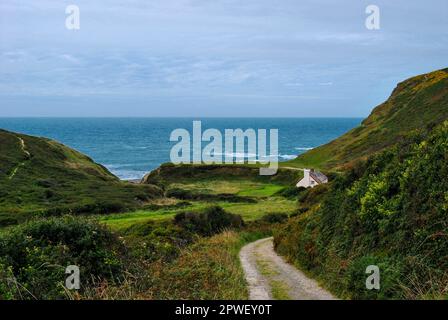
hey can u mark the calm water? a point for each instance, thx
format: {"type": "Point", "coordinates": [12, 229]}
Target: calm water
{"type": "Point", "coordinates": [131, 147]}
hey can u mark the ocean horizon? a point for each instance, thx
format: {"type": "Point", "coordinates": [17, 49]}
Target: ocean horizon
{"type": "Point", "coordinates": [131, 147]}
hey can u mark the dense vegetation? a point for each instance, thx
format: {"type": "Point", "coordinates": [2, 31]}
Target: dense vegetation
{"type": "Point", "coordinates": [417, 103]}
{"type": "Point", "coordinates": [390, 211]}
{"type": "Point", "coordinates": [156, 259]}
{"type": "Point", "coordinates": [41, 176]}
{"type": "Point", "coordinates": [211, 221]}
{"type": "Point", "coordinates": [34, 256]}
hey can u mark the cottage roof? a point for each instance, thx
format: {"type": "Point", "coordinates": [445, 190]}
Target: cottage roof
{"type": "Point", "coordinates": [318, 176]}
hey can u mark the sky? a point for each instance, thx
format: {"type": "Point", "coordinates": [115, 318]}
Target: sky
{"type": "Point", "coordinates": [213, 58]}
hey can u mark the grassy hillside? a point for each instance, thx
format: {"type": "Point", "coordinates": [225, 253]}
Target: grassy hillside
{"type": "Point", "coordinates": [169, 173]}
{"type": "Point", "coordinates": [391, 211]}
{"type": "Point", "coordinates": [41, 175]}
{"type": "Point", "coordinates": [417, 103]}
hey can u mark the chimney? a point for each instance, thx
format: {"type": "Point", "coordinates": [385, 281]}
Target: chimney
{"type": "Point", "coordinates": [306, 174]}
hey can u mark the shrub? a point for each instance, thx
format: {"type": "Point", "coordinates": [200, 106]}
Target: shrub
{"type": "Point", "coordinates": [290, 192]}
{"type": "Point", "coordinates": [312, 196]}
{"type": "Point", "coordinates": [180, 194]}
{"type": "Point", "coordinates": [390, 273]}
{"type": "Point", "coordinates": [36, 254]}
{"type": "Point", "coordinates": [275, 217]}
{"type": "Point", "coordinates": [157, 240]}
{"type": "Point", "coordinates": [209, 222]}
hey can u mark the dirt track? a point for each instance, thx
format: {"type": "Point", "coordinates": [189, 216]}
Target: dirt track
{"type": "Point", "coordinates": [269, 277]}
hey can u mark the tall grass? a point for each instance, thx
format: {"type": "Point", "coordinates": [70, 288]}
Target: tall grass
{"type": "Point", "coordinates": [208, 269]}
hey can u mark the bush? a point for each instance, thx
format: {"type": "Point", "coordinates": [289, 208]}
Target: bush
{"type": "Point", "coordinates": [275, 217]}
{"type": "Point", "coordinates": [213, 220]}
{"type": "Point", "coordinates": [37, 253]}
{"type": "Point", "coordinates": [180, 194]}
{"type": "Point", "coordinates": [390, 274]}
{"type": "Point", "coordinates": [157, 240]}
{"type": "Point", "coordinates": [290, 192]}
{"type": "Point", "coordinates": [311, 196]}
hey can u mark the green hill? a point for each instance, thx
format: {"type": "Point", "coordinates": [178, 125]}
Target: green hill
{"type": "Point", "coordinates": [417, 103]}
{"type": "Point", "coordinates": [21, 155]}
{"type": "Point", "coordinates": [390, 211]}
{"type": "Point", "coordinates": [38, 175]}
{"type": "Point", "coordinates": [387, 207]}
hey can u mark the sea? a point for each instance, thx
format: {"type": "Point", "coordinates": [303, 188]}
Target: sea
{"type": "Point", "coordinates": [132, 147]}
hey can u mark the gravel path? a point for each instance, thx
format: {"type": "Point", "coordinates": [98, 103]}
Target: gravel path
{"type": "Point", "coordinates": [270, 277]}
{"type": "Point", "coordinates": [21, 164]}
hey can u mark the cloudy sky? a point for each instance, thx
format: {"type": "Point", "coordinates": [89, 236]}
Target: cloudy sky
{"type": "Point", "coordinates": [251, 58]}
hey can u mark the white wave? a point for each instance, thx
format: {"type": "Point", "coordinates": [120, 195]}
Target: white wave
{"type": "Point", "coordinates": [280, 156]}
{"type": "Point", "coordinates": [304, 148]}
{"type": "Point", "coordinates": [125, 165]}
{"type": "Point", "coordinates": [129, 147]}
{"type": "Point", "coordinates": [236, 154]}
{"type": "Point", "coordinates": [288, 156]}
{"type": "Point", "coordinates": [257, 156]}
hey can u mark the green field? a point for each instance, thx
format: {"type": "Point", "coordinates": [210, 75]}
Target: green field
{"type": "Point", "coordinates": [264, 194]}
{"type": "Point", "coordinates": [249, 211]}
{"type": "Point", "coordinates": [239, 187]}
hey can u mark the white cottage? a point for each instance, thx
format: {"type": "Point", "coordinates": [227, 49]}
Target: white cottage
{"type": "Point", "coordinates": [311, 178]}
